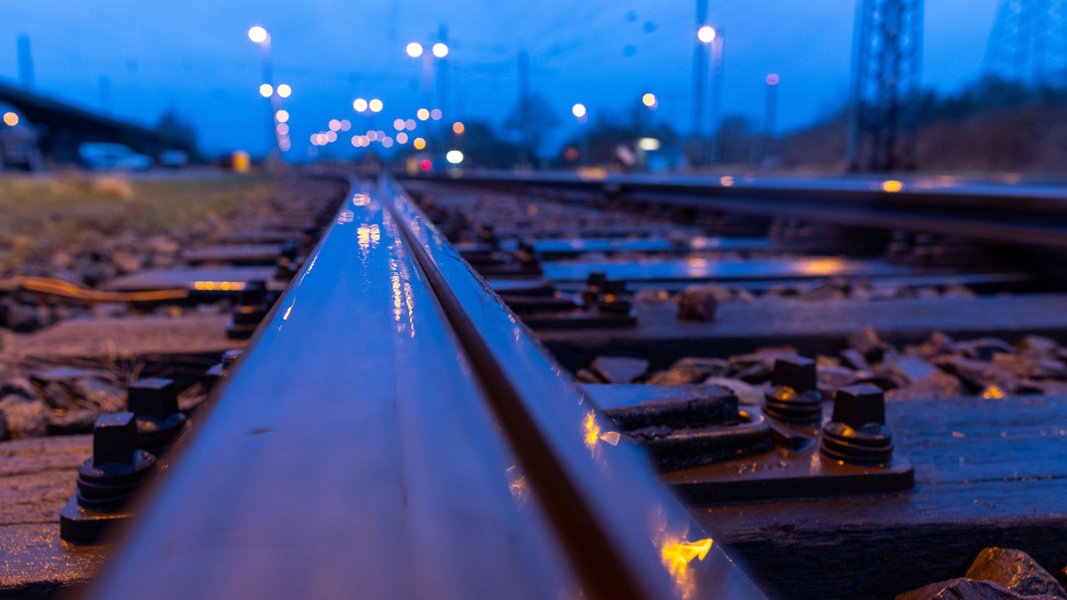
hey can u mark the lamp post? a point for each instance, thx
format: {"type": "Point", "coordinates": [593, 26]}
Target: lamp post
{"type": "Point", "coordinates": [261, 37]}
{"type": "Point", "coordinates": [771, 80]}
{"type": "Point", "coordinates": [582, 114]}
{"type": "Point", "coordinates": [438, 51]}
{"type": "Point", "coordinates": [712, 38]}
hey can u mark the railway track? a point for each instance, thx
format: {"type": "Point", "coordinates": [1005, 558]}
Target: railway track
{"type": "Point", "coordinates": [394, 389]}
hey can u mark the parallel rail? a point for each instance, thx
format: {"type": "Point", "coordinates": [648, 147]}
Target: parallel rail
{"type": "Point", "coordinates": [1033, 217]}
{"type": "Point", "coordinates": [395, 432]}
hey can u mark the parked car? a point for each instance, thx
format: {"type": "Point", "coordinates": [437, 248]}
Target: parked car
{"type": "Point", "coordinates": [105, 156]}
{"type": "Point", "coordinates": [18, 141]}
{"type": "Point", "coordinates": [173, 159]}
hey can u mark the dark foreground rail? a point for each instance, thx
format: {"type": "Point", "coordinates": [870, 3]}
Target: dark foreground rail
{"type": "Point", "coordinates": [1033, 217]}
{"type": "Point", "coordinates": [394, 432]}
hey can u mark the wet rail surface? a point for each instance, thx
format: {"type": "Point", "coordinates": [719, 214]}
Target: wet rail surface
{"type": "Point", "coordinates": [394, 431]}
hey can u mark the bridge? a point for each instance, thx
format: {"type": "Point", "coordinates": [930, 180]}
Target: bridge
{"type": "Point", "coordinates": [64, 126]}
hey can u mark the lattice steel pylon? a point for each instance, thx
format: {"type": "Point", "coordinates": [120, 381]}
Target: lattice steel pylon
{"type": "Point", "coordinates": [885, 85]}
{"type": "Point", "coordinates": [1028, 43]}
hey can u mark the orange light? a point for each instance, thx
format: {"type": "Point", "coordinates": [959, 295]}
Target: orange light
{"type": "Point", "coordinates": [458, 128]}
{"type": "Point", "coordinates": [892, 186]}
{"type": "Point", "coordinates": [419, 143]}
{"type": "Point", "coordinates": [11, 119]}
{"type": "Point", "coordinates": [591, 430]}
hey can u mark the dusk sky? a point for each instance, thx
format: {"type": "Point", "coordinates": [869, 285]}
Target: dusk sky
{"type": "Point", "coordinates": [195, 56]}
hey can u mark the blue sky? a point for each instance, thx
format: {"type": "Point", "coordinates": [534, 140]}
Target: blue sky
{"type": "Point", "coordinates": [194, 56]}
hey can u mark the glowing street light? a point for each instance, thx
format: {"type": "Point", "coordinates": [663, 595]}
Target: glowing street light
{"type": "Point", "coordinates": [649, 100]}
{"type": "Point", "coordinates": [458, 128]}
{"type": "Point", "coordinates": [706, 34]}
{"type": "Point", "coordinates": [439, 51]}
{"type": "Point", "coordinates": [454, 157]}
{"type": "Point", "coordinates": [284, 91]}
{"type": "Point", "coordinates": [360, 105]}
{"type": "Point", "coordinates": [258, 34]}
{"type": "Point", "coordinates": [581, 113]}
{"type": "Point", "coordinates": [375, 105]}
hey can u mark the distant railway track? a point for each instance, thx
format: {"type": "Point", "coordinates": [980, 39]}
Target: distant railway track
{"type": "Point", "coordinates": [395, 430]}
{"type": "Point", "coordinates": [1002, 214]}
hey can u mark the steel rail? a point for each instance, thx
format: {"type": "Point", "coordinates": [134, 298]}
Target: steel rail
{"type": "Point", "coordinates": [1031, 217]}
{"type": "Point", "coordinates": [394, 432]}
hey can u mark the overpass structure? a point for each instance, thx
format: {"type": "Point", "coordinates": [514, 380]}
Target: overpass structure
{"type": "Point", "coordinates": [63, 126]}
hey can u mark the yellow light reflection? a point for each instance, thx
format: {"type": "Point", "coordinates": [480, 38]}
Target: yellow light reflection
{"type": "Point", "coordinates": [419, 143]}
{"type": "Point", "coordinates": [218, 286]}
{"type": "Point", "coordinates": [591, 429]}
{"type": "Point", "coordinates": [892, 186]}
{"type": "Point", "coordinates": [676, 554]}
{"type": "Point", "coordinates": [825, 266]}
{"type": "Point", "coordinates": [368, 236]}
{"type": "Point", "coordinates": [11, 119]}
{"type": "Point", "coordinates": [993, 393]}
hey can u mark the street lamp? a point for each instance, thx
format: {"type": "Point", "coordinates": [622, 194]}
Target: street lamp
{"type": "Point", "coordinates": [582, 114]}
{"type": "Point", "coordinates": [772, 81]}
{"type": "Point", "coordinates": [277, 140]}
{"type": "Point", "coordinates": [438, 51]}
{"type": "Point", "coordinates": [707, 37]}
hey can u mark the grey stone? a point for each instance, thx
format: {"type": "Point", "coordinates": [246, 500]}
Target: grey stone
{"type": "Point", "coordinates": [1016, 571]}
{"type": "Point", "coordinates": [937, 385]}
{"type": "Point", "coordinates": [698, 303]}
{"type": "Point", "coordinates": [961, 589]}
{"type": "Point", "coordinates": [25, 418]}
{"type": "Point", "coordinates": [619, 369]}
{"type": "Point", "coordinates": [867, 343]}
{"type": "Point", "coordinates": [979, 375]}
{"type": "Point", "coordinates": [691, 369]}
{"type": "Point", "coordinates": [983, 348]}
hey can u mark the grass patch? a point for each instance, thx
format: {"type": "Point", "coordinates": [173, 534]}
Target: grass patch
{"type": "Point", "coordinates": [75, 209]}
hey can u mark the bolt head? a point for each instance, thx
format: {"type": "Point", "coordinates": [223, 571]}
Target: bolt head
{"type": "Point", "coordinates": [115, 439]}
{"type": "Point", "coordinates": [156, 398]}
{"type": "Point", "coordinates": [796, 372]}
{"type": "Point", "coordinates": [858, 405]}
